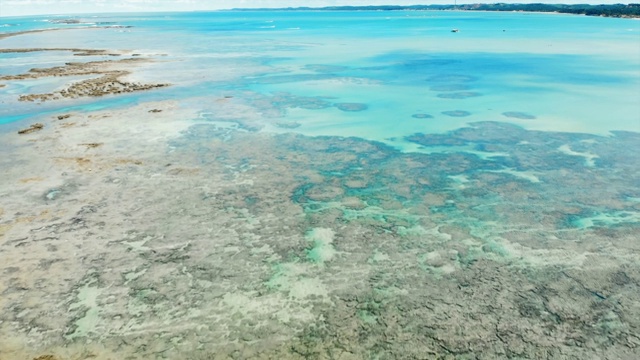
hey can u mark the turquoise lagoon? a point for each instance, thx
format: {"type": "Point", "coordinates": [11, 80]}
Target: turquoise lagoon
{"type": "Point", "coordinates": [376, 187]}
{"type": "Point", "coordinates": [570, 72]}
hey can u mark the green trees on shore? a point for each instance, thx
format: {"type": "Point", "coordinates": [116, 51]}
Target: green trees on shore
{"type": "Point", "coordinates": [615, 10]}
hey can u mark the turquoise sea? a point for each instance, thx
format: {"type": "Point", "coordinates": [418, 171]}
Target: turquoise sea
{"type": "Point", "coordinates": [569, 72]}
{"type": "Point", "coordinates": [350, 185]}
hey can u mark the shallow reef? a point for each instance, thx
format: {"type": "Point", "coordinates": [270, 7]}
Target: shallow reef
{"type": "Point", "coordinates": [351, 107]}
{"type": "Point", "coordinates": [239, 243]}
{"type": "Point", "coordinates": [518, 115]}
{"type": "Point", "coordinates": [459, 95]}
{"type": "Point", "coordinates": [422, 116]}
{"type": "Point", "coordinates": [456, 113]}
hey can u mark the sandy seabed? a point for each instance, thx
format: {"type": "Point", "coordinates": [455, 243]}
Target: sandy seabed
{"type": "Point", "coordinates": [149, 232]}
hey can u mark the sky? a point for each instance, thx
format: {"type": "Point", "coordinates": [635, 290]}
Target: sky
{"type": "Point", "coordinates": [38, 7]}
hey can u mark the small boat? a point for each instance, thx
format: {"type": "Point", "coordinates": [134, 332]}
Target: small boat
{"type": "Point", "coordinates": [455, 30]}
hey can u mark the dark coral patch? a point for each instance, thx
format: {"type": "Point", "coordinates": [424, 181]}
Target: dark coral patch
{"type": "Point", "coordinates": [457, 113]}
{"type": "Point", "coordinates": [351, 107]}
{"type": "Point", "coordinates": [518, 115]}
{"type": "Point", "coordinates": [459, 95]}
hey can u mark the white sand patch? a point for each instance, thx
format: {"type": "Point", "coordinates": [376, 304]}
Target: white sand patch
{"type": "Point", "coordinates": [379, 256]}
{"type": "Point", "coordinates": [432, 256]}
{"type": "Point", "coordinates": [323, 249]}
{"type": "Point", "coordinates": [588, 157]}
{"type": "Point", "coordinates": [304, 287]}
{"type": "Point", "coordinates": [460, 179]}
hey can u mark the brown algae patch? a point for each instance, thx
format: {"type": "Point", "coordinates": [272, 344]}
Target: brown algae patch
{"type": "Point", "coordinates": [29, 180]}
{"type": "Point", "coordinates": [91, 145]}
{"type": "Point", "coordinates": [184, 171]}
{"type": "Point", "coordinates": [125, 161]}
{"type": "Point", "coordinates": [33, 128]}
{"type": "Point", "coordinates": [81, 162]}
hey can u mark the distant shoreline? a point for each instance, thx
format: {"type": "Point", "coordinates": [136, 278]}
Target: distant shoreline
{"type": "Point", "coordinates": [628, 11]}
{"type": "Point", "coordinates": [615, 10]}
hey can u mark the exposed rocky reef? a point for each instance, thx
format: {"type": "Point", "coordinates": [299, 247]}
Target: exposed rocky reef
{"type": "Point", "coordinates": [76, 51]}
{"type": "Point", "coordinates": [110, 80]}
{"type": "Point", "coordinates": [33, 128]}
{"type": "Point", "coordinates": [17, 33]}
{"type": "Point", "coordinates": [318, 247]}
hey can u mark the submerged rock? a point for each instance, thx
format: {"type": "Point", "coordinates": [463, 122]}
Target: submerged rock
{"type": "Point", "coordinates": [422, 116]}
{"type": "Point", "coordinates": [452, 78]}
{"type": "Point", "coordinates": [518, 115]}
{"type": "Point", "coordinates": [352, 107]}
{"type": "Point", "coordinates": [456, 113]}
{"type": "Point", "coordinates": [288, 125]}
{"type": "Point", "coordinates": [459, 95]}
{"type": "Point", "coordinates": [33, 128]}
